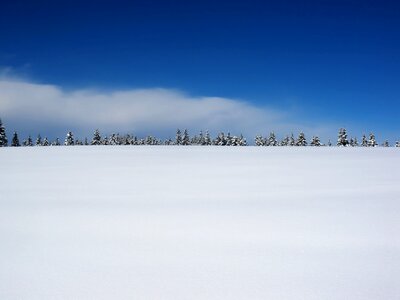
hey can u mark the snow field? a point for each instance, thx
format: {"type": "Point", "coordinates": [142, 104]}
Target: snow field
{"type": "Point", "coordinates": [143, 222]}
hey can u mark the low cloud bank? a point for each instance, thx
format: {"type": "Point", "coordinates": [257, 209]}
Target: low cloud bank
{"type": "Point", "coordinates": [154, 111]}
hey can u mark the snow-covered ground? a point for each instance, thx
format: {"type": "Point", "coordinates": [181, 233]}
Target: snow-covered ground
{"type": "Point", "coordinates": [199, 223]}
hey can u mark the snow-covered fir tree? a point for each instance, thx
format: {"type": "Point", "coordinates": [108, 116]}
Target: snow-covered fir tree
{"type": "Point", "coordinates": [86, 143]}
{"type": "Point", "coordinates": [45, 142]}
{"type": "Point", "coordinates": [96, 140]}
{"type": "Point", "coordinates": [364, 141]}
{"type": "Point", "coordinates": [353, 142]}
{"type": "Point", "coordinates": [301, 140]}
{"type": "Point", "coordinates": [113, 139]}
{"type": "Point", "coordinates": [15, 140]}
{"type": "Point", "coordinates": [397, 144]}
{"type": "Point", "coordinates": [207, 139]}
{"type": "Point", "coordinates": [372, 141]}
{"type": "Point", "coordinates": [28, 142]}
{"type": "Point", "coordinates": [178, 137]}
{"type": "Point", "coordinates": [315, 141]}
{"type": "Point", "coordinates": [272, 140]}
{"type": "Point", "coordinates": [292, 141]}
{"type": "Point", "coordinates": [3, 135]}
{"type": "Point", "coordinates": [185, 138]}
{"type": "Point", "coordinates": [342, 138]}
{"type": "Point", "coordinates": [56, 142]}
{"type": "Point", "coordinates": [259, 141]}
{"type": "Point", "coordinates": [386, 144]}
{"type": "Point", "coordinates": [329, 143]}
{"type": "Point", "coordinates": [220, 140]}
{"type": "Point", "coordinates": [69, 139]}
{"type": "Point", "coordinates": [38, 141]}
{"type": "Point", "coordinates": [285, 141]}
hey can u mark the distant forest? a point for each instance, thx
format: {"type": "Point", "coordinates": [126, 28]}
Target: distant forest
{"type": "Point", "coordinates": [182, 138]}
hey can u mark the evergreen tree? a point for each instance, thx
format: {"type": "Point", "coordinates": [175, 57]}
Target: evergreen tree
{"type": "Point", "coordinates": [242, 140]}
{"type": "Point", "coordinates": [29, 142]}
{"type": "Point", "coordinates": [315, 141]}
{"type": "Point", "coordinates": [397, 144]}
{"type": "Point", "coordinates": [38, 140]}
{"type": "Point", "coordinates": [96, 140]}
{"type": "Point", "coordinates": [185, 138]}
{"type": "Point", "coordinates": [386, 144]}
{"type": "Point", "coordinates": [207, 139]}
{"type": "Point", "coordinates": [69, 139]}
{"type": "Point", "coordinates": [342, 138]}
{"type": "Point", "coordinates": [15, 140]}
{"type": "Point", "coordinates": [292, 141]}
{"type": "Point", "coordinates": [259, 141]}
{"type": "Point", "coordinates": [372, 141]}
{"type": "Point", "coordinates": [329, 143]}
{"type": "Point", "coordinates": [364, 142]}
{"type": "Point", "coordinates": [301, 140]}
{"type": "Point", "coordinates": [178, 138]}
{"type": "Point", "coordinates": [272, 140]}
{"type": "Point", "coordinates": [113, 139]}
{"type": "Point", "coordinates": [45, 142]}
{"type": "Point", "coordinates": [285, 141]}
{"type": "Point", "coordinates": [3, 135]}
{"type": "Point", "coordinates": [86, 141]}
{"type": "Point", "coordinates": [57, 142]}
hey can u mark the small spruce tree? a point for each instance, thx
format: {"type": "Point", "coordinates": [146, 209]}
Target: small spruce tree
{"type": "Point", "coordinates": [301, 140]}
{"type": "Point", "coordinates": [38, 141]}
{"type": "Point", "coordinates": [364, 141]}
{"type": "Point", "coordinates": [69, 139]}
{"type": "Point", "coordinates": [185, 138]}
{"type": "Point", "coordinates": [178, 137]}
{"type": "Point", "coordinates": [342, 138]}
{"type": "Point", "coordinates": [3, 135]}
{"type": "Point", "coordinates": [45, 142]}
{"type": "Point", "coordinates": [372, 141]}
{"type": "Point", "coordinates": [315, 141]}
{"type": "Point", "coordinates": [96, 140]}
{"type": "Point", "coordinates": [15, 140]}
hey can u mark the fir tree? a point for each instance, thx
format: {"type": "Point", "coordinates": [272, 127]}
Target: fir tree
{"type": "Point", "coordinates": [292, 141]}
{"type": "Point", "coordinates": [386, 144]}
{"type": "Point", "coordinates": [38, 140]}
{"type": "Point", "coordinates": [372, 141]}
{"type": "Point", "coordinates": [69, 139]}
{"type": "Point", "coordinates": [301, 140]}
{"type": "Point", "coordinates": [329, 143]}
{"type": "Point", "coordinates": [178, 138]}
{"type": "Point", "coordinates": [364, 141]}
{"type": "Point", "coordinates": [57, 142]}
{"type": "Point", "coordinates": [29, 142]}
{"type": "Point", "coordinates": [285, 141]}
{"type": "Point", "coordinates": [96, 140]}
{"type": "Point", "coordinates": [397, 144]}
{"type": "Point", "coordinates": [45, 142]}
{"type": "Point", "coordinates": [207, 139]}
{"type": "Point", "coordinates": [342, 138]}
{"type": "Point", "coordinates": [15, 140]}
{"type": "Point", "coordinates": [259, 141]}
{"type": "Point", "coordinates": [272, 140]}
{"type": "Point", "coordinates": [3, 135]}
{"type": "Point", "coordinates": [315, 141]}
{"type": "Point", "coordinates": [185, 138]}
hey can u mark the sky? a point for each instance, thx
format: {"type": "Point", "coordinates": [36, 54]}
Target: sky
{"type": "Point", "coordinates": [248, 67]}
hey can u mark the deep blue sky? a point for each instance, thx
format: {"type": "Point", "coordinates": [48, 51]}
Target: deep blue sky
{"type": "Point", "coordinates": [337, 61]}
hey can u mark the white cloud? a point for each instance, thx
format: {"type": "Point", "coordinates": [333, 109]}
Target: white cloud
{"type": "Point", "coordinates": [153, 111]}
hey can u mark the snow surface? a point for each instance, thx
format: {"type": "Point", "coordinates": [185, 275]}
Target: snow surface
{"type": "Point", "coordinates": [199, 223]}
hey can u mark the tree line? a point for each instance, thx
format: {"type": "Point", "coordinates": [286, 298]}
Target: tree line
{"type": "Point", "coordinates": [182, 138]}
